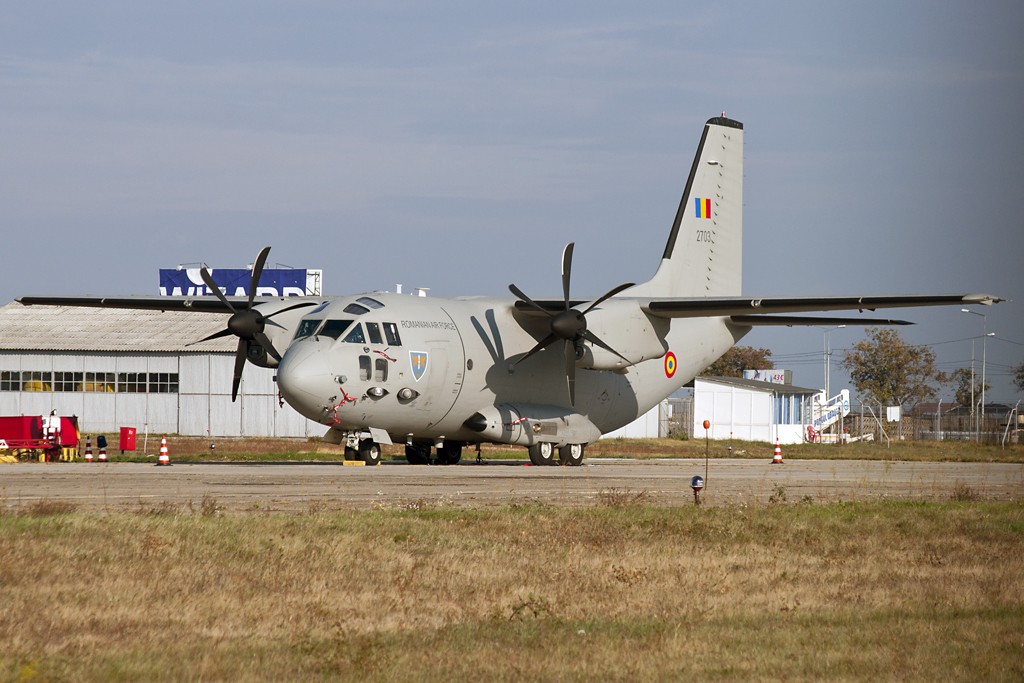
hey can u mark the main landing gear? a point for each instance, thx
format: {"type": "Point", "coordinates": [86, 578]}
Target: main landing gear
{"type": "Point", "coordinates": [544, 454]}
{"type": "Point", "coordinates": [418, 453]}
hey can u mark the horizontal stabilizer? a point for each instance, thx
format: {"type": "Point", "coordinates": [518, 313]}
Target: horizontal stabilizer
{"type": "Point", "coordinates": [697, 308]}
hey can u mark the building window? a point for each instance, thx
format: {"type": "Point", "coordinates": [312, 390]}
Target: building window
{"type": "Point", "coordinates": [132, 382]}
{"type": "Point", "coordinates": [33, 380]}
{"type": "Point", "coordinates": [67, 381]}
{"type": "Point", "coordinates": [163, 382]}
{"type": "Point", "coordinates": [102, 382]}
{"type": "Point", "coordinates": [10, 380]}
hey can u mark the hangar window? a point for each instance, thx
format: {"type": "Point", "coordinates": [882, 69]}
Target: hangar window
{"type": "Point", "coordinates": [334, 328]}
{"type": "Point", "coordinates": [36, 381]}
{"type": "Point", "coordinates": [132, 382]}
{"type": "Point", "coordinates": [356, 309]}
{"type": "Point", "coordinates": [391, 332]}
{"type": "Point", "coordinates": [102, 382]}
{"type": "Point", "coordinates": [67, 381]}
{"type": "Point", "coordinates": [356, 335]}
{"type": "Point", "coordinates": [163, 382]}
{"type": "Point", "coordinates": [370, 303]}
{"type": "Point", "coordinates": [373, 332]}
{"type": "Point", "coordinates": [10, 380]}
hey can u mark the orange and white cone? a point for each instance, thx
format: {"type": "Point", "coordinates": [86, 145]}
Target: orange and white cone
{"type": "Point", "coordinates": [103, 454]}
{"type": "Point", "coordinates": [777, 457]}
{"type": "Point", "coordinates": [88, 449]}
{"type": "Point", "coordinates": [165, 458]}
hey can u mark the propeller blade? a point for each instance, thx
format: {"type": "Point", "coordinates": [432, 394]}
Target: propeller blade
{"type": "Point", "coordinates": [570, 369]}
{"type": "Point", "coordinates": [525, 299]}
{"type": "Point", "coordinates": [240, 354]}
{"type": "Point", "coordinates": [216, 335]}
{"type": "Point", "coordinates": [265, 342]}
{"type": "Point", "coordinates": [609, 295]}
{"type": "Point", "coordinates": [290, 308]}
{"type": "Point", "coordinates": [566, 272]}
{"type": "Point", "coordinates": [593, 339]}
{"type": "Point", "coordinates": [546, 341]}
{"type": "Point", "coordinates": [257, 270]}
{"type": "Point", "coordinates": [205, 274]}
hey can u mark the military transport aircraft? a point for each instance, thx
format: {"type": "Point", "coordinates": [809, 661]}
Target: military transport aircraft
{"type": "Point", "coordinates": [550, 375]}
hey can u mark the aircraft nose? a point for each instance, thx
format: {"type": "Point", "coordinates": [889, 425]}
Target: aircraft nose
{"type": "Point", "coordinates": [305, 380]}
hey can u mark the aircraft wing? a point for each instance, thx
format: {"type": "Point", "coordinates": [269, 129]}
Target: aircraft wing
{"type": "Point", "coordinates": [754, 311]}
{"type": "Point", "coordinates": [796, 320]}
{"type": "Point", "coordinates": [200, 304]}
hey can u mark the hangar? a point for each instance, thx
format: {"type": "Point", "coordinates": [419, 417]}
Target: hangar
{"type": "Point", "coordinates": [114, 368]}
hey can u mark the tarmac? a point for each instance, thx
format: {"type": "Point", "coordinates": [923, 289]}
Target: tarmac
{"type": "Point", "coordinates": [263, 487]}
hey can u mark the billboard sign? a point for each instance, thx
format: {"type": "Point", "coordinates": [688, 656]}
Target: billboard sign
{"type": "Point", "coordinates": [235, 282]}
{"type": "Point", "coordinates": [774, 376]}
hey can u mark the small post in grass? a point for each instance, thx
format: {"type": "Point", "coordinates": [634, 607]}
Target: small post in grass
{"type": "Point", "coordinates": [707, 447]}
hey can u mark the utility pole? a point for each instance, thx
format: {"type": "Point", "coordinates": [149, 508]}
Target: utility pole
{"type": "Point", "coordinates": [985, 334]}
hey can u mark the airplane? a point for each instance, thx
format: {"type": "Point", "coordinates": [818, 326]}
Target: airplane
{"type": "Point", "coordinates": [551, 375]}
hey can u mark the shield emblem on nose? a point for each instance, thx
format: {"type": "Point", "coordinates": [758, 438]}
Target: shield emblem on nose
{"type": "Point", "coordinates": [418, 360]}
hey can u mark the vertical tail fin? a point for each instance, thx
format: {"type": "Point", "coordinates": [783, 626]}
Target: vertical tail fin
{"type": "Point", "coordinates": [704, 254]}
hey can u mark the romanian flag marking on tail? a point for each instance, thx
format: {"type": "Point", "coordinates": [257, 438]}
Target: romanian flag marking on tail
{"type": "Point", "coordinates": [703, 206]}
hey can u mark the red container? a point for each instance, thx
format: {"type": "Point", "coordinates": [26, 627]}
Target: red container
{"type": "Point", "coordinates": [127, 439]}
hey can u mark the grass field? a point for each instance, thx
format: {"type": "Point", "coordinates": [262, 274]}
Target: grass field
{"type": "Point", "coordinates": [617, 591]}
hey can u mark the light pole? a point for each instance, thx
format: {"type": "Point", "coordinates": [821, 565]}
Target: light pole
{"type": "Point", "coordinates": [985, 334]}
{"type": "Point", "coordinates": [827, 361]}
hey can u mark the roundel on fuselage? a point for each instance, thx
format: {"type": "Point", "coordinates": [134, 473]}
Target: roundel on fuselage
{"type": "Point", "coordinates": [670, 364]}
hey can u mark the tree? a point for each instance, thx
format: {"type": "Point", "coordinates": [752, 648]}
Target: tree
{"type": "Point", "coordinates": [961, 379]}
{"type": "Point", "coordinates": [740, 358]}
{"type": "Point", "coordinates": [887, 370]}
{"type": "Point", "coordinates": [1018, 376]}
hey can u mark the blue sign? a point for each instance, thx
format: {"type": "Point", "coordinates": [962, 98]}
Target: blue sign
{"type": "Point", "coordinates": [235, 282]}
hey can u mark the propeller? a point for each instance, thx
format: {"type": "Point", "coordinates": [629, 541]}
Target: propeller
{"type": "Point", "coordinates": [248, 324]}
{"type": "Point", "coordinates": [569, 324]}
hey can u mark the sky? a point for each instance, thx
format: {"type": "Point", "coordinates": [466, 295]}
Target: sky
{"type": "Point", "coordinates": [460, 145]}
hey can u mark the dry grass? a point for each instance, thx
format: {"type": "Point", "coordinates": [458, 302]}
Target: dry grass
{"type": "Point", "coordinates": [185, 448]}
{"type": "Point", "coordinates": [619, 591]}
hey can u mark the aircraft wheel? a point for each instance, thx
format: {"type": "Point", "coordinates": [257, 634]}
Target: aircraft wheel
{"type": "Point", "coordinates": [369, 452]}
{"type": "Point", "coordinates": [571, 454]}
{"type": "Point", "coordinates": [418, 454]}
{"type": "Point", "coordinates": [449, 454]}
{"type": "Point", "coordinates": [351, 454]}
{"type": "Point", "coordinates": [542, 454]}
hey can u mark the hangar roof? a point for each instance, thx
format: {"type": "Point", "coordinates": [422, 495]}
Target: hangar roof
{"type": "Point", "coordinates": [69, 328]}
{"type": "Point", "coordinates": [757, 385]}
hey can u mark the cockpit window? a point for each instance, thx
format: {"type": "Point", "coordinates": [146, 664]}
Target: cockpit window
{"type": "Point", "coordinates": [373, 332]}
{"type": "Point", "coordinates": [356, 309]}
{"type": "Point", "coordinates": [334, 328]}
{"type": "Point", "coordinates": [307, 327]}
{"type": "Point", "coordinates": [371, 303]}
{"type": "Point", "coordinates": [391, 332]}
{"type": "Point", "coordinates": [356, 335]}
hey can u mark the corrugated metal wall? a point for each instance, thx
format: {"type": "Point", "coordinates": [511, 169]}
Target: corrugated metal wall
{"type": "Point", "coordinates": [202, 405]}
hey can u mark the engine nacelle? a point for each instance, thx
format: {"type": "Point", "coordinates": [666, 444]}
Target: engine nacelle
{"type": "Point", "coordinates": [625, 327]}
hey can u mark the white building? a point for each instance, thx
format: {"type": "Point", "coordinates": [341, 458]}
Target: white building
{"type": "Point", "coordinates": [125, 368]}
{"type": "Point", "coordinates": [751, 410]}
{"type": "Point", "coordinates": [651, 425]}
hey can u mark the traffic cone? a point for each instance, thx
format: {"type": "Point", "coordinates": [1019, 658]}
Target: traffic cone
{"type": "Point", "coordinates": [88, 449]}
{"type": "Point", "coordinates": [777, 457]}
{"type": "Point", "coordinates": [165, 458]}
{"type": "Point", "coordinates": [103, 454]}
